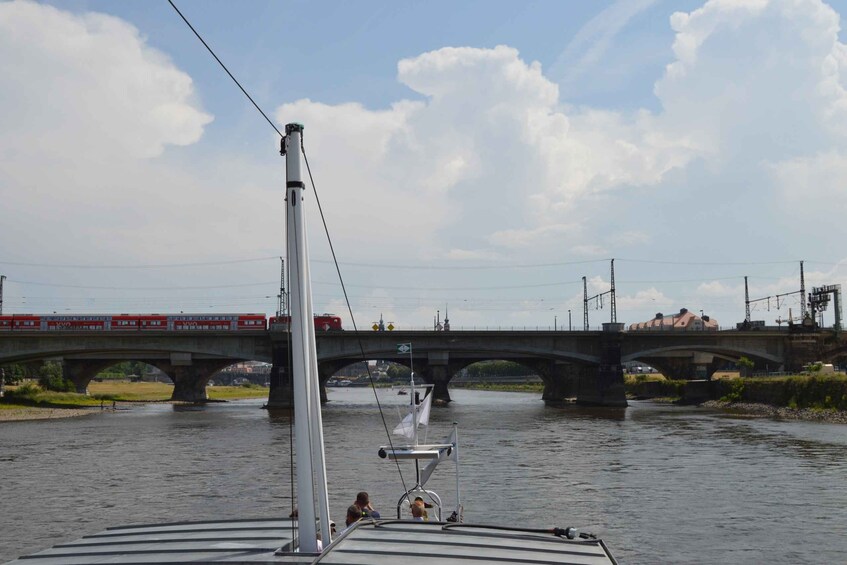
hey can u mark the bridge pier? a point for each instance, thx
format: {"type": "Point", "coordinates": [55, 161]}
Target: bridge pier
{"type": "Point", "coordinates": [437, 376]}
{"type": "Point", "coordinates": [560, 379]}
{"type": "Point", "coordinates": [604, 386]}
{"type": "Point", "coordinates": [190, 376]}
{"type": "Point", "coordinates": [281, 393]}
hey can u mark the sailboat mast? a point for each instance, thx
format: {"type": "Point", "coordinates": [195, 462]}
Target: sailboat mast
{"type": "Point", "coordinates": [307, 414]}
{"type": "Point", "coordinates": [413, 397]}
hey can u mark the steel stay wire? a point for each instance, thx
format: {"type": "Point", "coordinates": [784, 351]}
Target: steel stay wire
{"type": "Point", "coordinates": [326, 229]}
{"type": "Point", "coordinates": [350, 310]}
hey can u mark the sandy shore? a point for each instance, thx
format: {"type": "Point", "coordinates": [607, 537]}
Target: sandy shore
{"type": "Point", "coordinates": [33, 413]}
{"type": "Point", "coordinates": [780, 412]}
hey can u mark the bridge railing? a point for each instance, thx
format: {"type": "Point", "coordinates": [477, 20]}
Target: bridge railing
{"type": "Point", "coordinates": [497, 328]}
{"type": "Point", "coordinates": [559, 328]}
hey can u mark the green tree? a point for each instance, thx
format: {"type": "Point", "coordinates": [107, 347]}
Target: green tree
{"type": "Point", "coordinates": [745, 366]}
{"type": "Point", "coordinates": [50, 378]}
{"type": "Point", "coordinates": [14, 373]}
{"type": "Point", "coordinates": [398, 372]}
{"type": "Point", "coordinates": [498, 369]}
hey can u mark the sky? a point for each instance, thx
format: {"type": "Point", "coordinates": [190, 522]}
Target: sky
{"type": "Point", "coordinates": [472, 159]}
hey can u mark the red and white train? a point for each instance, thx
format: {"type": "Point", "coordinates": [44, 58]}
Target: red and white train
{"type": "Point", "coordinates": [323, 323]}
{"type": "Point", "coordinates": [155, 322]}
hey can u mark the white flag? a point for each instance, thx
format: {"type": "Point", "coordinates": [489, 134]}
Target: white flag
{"type": "Point", "coordinates": [423, 410]}
{"type": "Point", "coordinates": [407, 426]}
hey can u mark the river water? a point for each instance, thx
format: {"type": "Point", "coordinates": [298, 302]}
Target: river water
{"type": "Point", "coordinates": [661, 484]}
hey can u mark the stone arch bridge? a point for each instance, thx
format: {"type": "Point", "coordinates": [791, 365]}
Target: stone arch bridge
{"type": "Point", "coordinates": [585, 365]}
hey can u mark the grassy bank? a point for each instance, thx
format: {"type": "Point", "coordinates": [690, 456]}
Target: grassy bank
{"type": "Point", "coordinates": [801, 394]}
{"type": "Point", "coordinates": [502, 387]}
{"type": "Point", "coordinates": [653, 386]}
{"type": "Point", "coordinates": [815, 392]}
{"type": "Point", "coordinates": [114, 391]}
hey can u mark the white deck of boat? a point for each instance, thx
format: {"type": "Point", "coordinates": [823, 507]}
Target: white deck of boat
{"type": "Point", "coordinates": [227, 541]}
{"type": "Point", "coordinates": [434, 543]}
{"type": "Point", "coordinates": [369, 543]}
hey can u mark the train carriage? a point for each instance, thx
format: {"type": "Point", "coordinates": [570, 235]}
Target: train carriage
{"type": "Point", "coordinates": [76, 323]}
{"type": "Point", "coordinates": [126, 322]}
{"type": "Point", "coordinates": [26, 322]}
{"type": "Point", "coordinates": [252, 322]}
{"type": "Point", "coordinates": [216, 322]}
{"type": "Point", "coordinates": [133, 322]}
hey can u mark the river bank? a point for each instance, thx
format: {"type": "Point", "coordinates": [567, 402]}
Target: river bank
{"type": "Point", "coordinates": [755, 409]}
{"type": "Point", "coordinates": [20, 413]}
{"type": "Point", "coordinates": [38, 404]}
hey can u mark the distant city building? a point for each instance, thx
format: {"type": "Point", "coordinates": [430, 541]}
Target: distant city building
{"type": "Point", "coordinates": [685, 321]}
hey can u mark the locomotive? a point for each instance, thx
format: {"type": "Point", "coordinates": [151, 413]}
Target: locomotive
{"type": "Point", "coordinates": [323, 323]}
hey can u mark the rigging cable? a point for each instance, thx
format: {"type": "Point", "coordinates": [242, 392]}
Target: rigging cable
{"type": "Point", "coordinates": [350, 311]}
{"type": "Point", "coordinates": [206, 45]}
{"type": "Point", "coordinates": [326, 229]}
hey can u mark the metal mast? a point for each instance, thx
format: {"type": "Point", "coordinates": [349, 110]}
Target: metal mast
{"type": "Point", "coordinates": [802, 293]}
{"type": "Point", "coordinates": [746, 302]}
{"type": "Point", "coordinates": [585, 304]}
{"type": "Point", "coordinates": [2, 278]}
{"type": "Point", "coordinates": [614, 307]}
{"type": "Point", "coordinates": [311, 469]}
{"type": "Point", "coordinates": [282, 306]}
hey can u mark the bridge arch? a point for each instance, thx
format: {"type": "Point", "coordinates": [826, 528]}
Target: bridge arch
{"type": "Point", "coordinates": [728, 352]}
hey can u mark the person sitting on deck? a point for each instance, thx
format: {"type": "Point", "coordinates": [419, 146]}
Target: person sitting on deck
{"type": "Point", "coordinates": [417, 513]}
{"type": "Point", "coordinates": [363, 503]}
{"type": "Point", "coordinates": [419, 502]}
{"type": "Point", "coordinates": [353, 516]}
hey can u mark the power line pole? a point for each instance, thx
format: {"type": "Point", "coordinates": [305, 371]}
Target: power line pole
{"type": "Point", "coordinates": [746, 302]}
{"type": "Point", "coordinates": [584, 304]}
{"type": "Point", "coordinates": [802, 293]}
{"type": "Point", "coordinates": [614, 307]}
{"type": "Point", "coordinates": [2, 278]}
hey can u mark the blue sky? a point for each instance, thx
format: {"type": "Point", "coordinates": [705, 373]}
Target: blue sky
{"type": "Point", "coordinates": [476, 156]}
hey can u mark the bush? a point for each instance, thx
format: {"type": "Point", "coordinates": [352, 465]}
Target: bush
{"type": "Point", "coordinates": [56, 383]}
{"type": "Point", "coordinates": [745, 366]}
{"type": "Point", "coordinates": [736, 392]}
{"type": "Point", "coordinates": [26, 391]}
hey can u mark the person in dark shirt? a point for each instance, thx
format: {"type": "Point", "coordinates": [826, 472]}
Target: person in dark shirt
{"type": "Point", "coordinates": [363, 503]}
{"type": "Point", "coordinates": [353, 516]}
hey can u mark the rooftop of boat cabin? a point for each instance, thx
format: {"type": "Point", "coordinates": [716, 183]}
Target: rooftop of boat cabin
{"type": "Point", "coordinates": [437, 543]}
{"type": "Point", "coordinates": [368, 542]}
